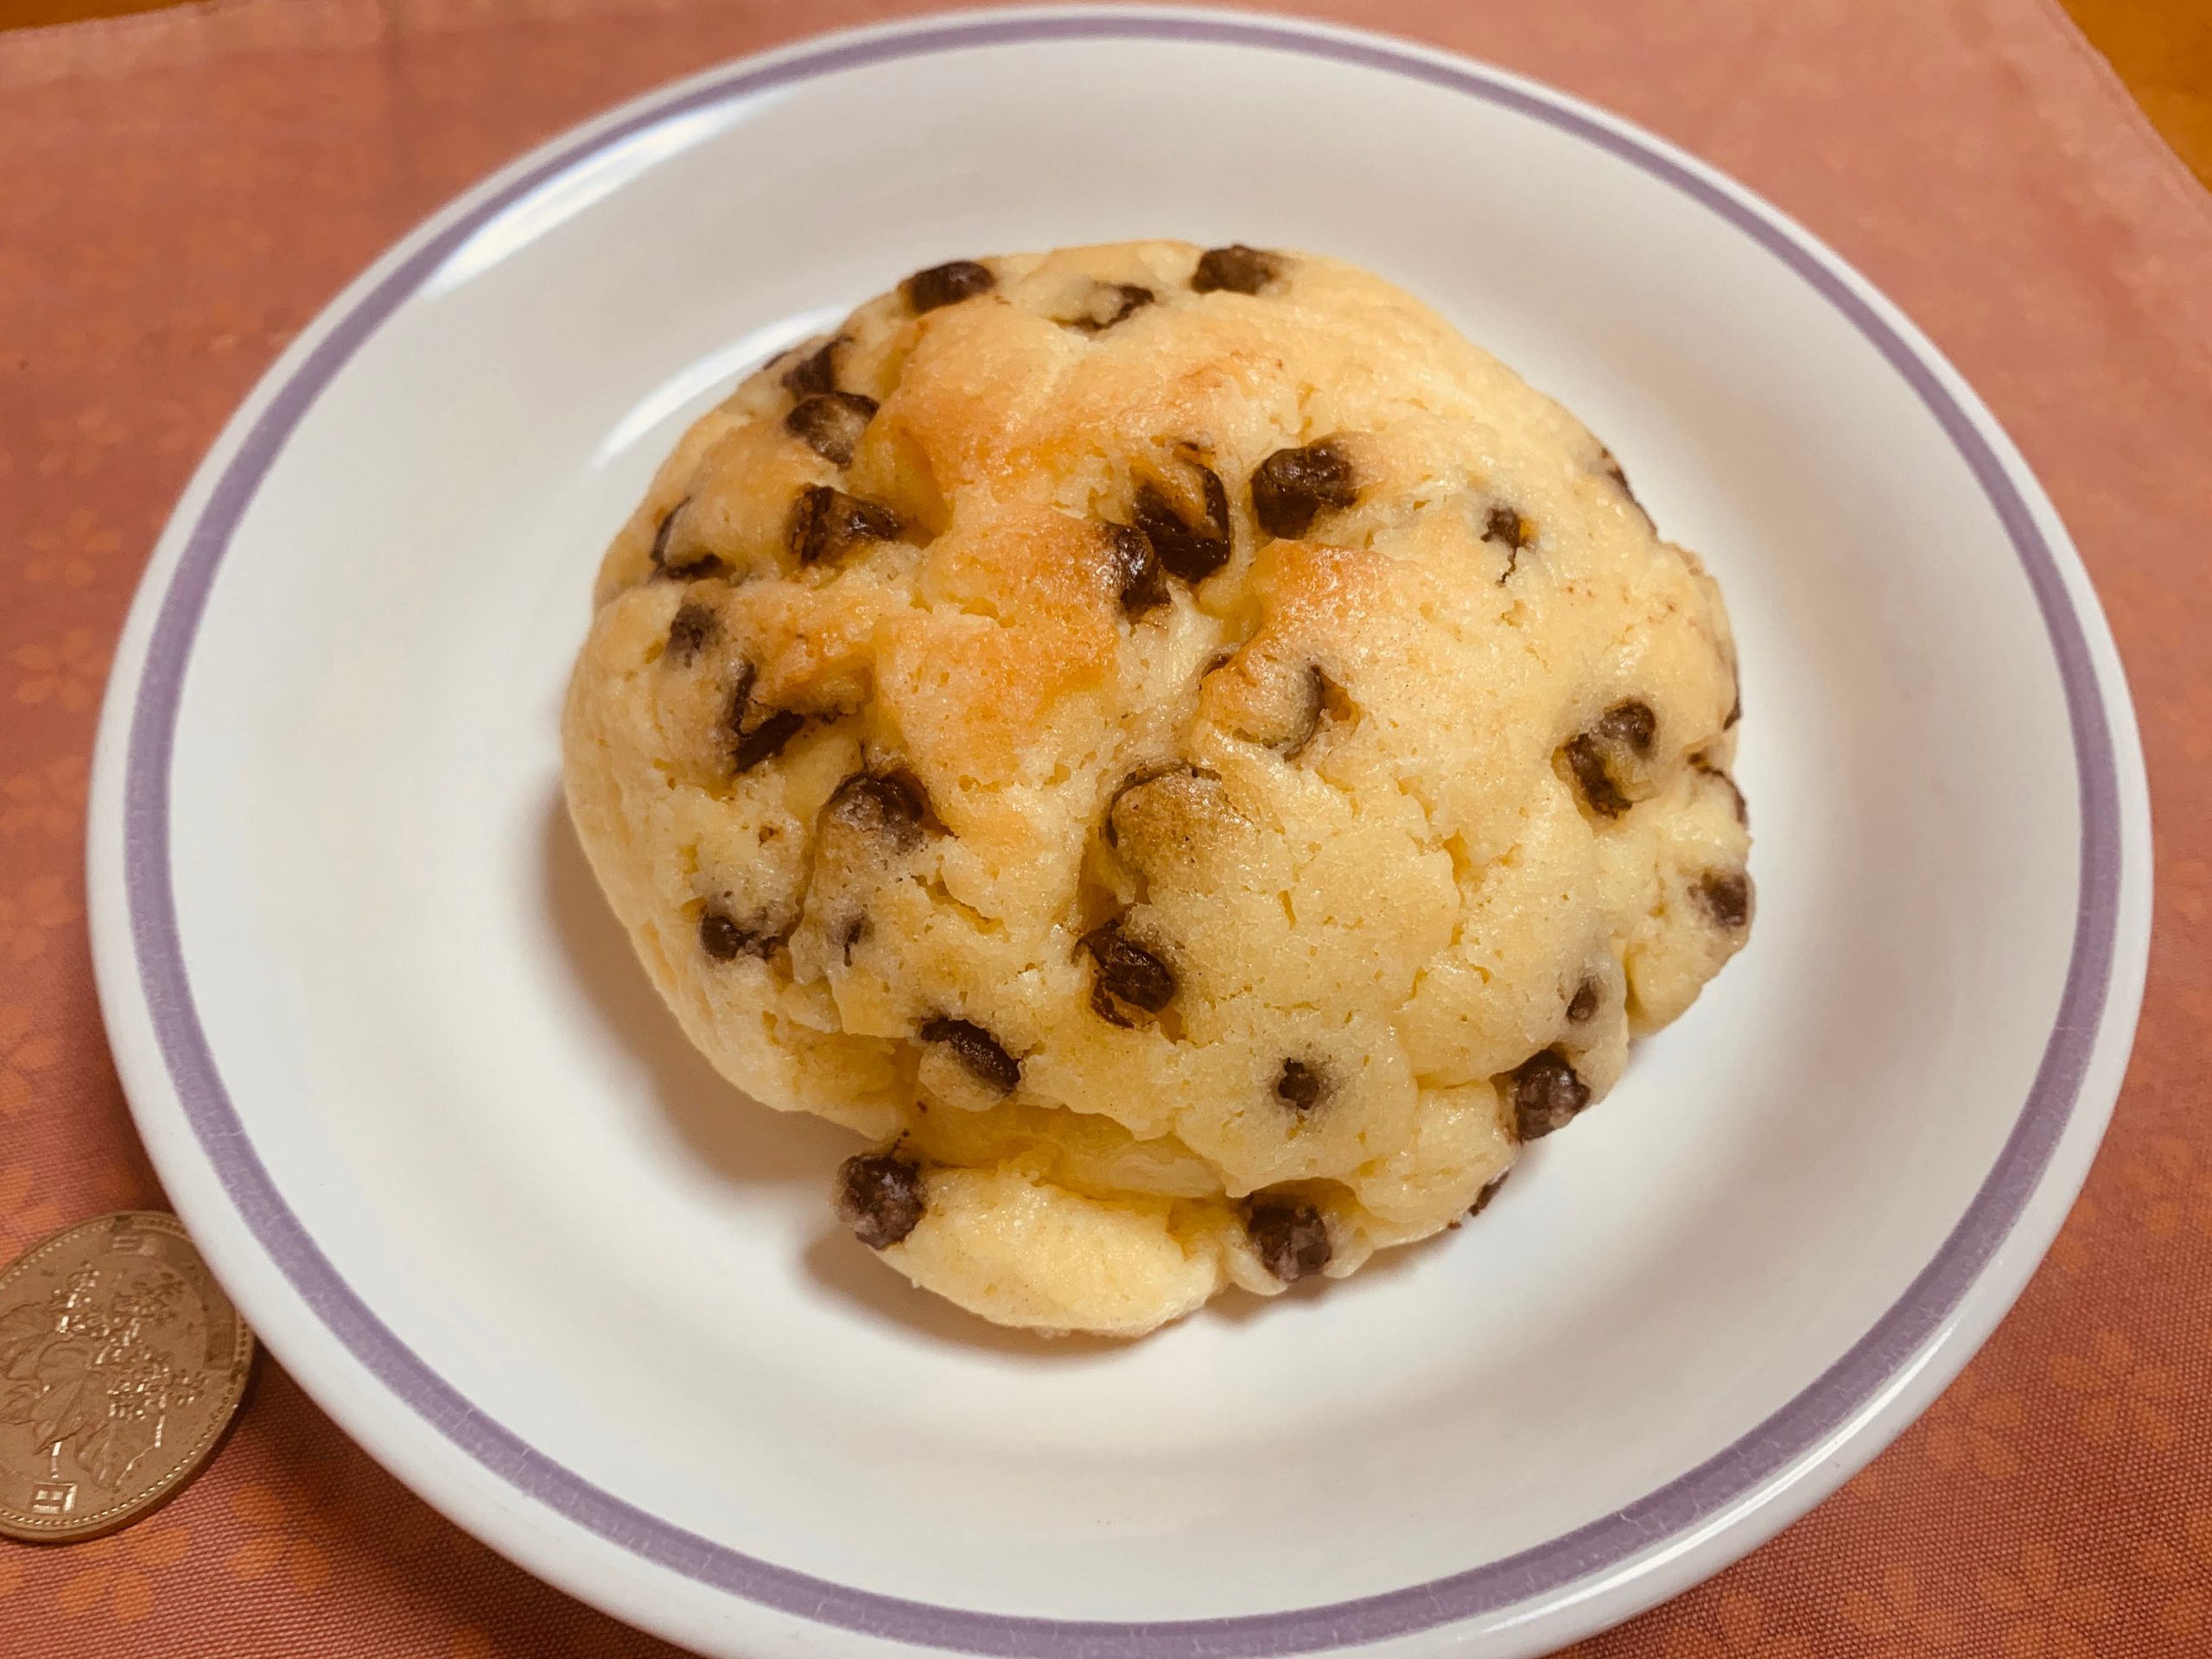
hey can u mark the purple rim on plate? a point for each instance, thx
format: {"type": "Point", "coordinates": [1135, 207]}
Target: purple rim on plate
{"type": "Point", "coordinates": [1787, 1436]}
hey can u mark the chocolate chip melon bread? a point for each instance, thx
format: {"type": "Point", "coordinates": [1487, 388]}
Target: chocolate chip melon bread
{"type": "Point", "coordinates": [1193, 760]}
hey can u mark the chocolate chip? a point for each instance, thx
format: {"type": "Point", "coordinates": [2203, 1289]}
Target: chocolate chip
{"type": "Point", "coordinates": [1584, 1003]}
{"type": "Point", "coordinates": [741, 699]}
{"type": "Point", "coordinates": [1509, 529]}
{"type": "Point", "coordinates": [1298, 1087]}
{"type": "Point", "coordinates": [885, 806]}
{"type": "Point", "coordinates": [1292, 1236]}
{"type": "Point", "coordinates": [816, 372]}
{"type": "Point", "coordinates": [688, 630]}
{"type": "Point", "coordinates": [1587, 762]}
{"type": "Point", "coordinates": [978, 1051]}
{"type": "Point", "coordinates": [1488, 1191]}
{"type": "Point", "coordinates": [1590, 755]}
{"type": "Point", "coordinates": [1293, 487]}
{"type": "Point", "coordinates": [765, 741]}
{"type": "Point", "coordinates": [1545, 1094]}
{"type": "Point", "coordinates": [1727, 896]}
{"type": "Point", "coordinates": [1126, 974]}
{"type": "Point", "coordinates": [825, 522]}
{"type": "Point", "coordinates": [1237, 268]}
{"type": "Point", "coordinates": [764, 738]}
{"type": "Point", "coordinates": [1142, 578]}
{"type": "Point", "coordinates": [722, 937]}
{"type": "Point", "coordinates": [831, 423]}
{"type": "Point", "coordinates": [1102, 1004]}
{"type": "Point", "coordinates": [703, 564]}
{"type": "Point", "coordinates": [1632, 723]}
{"type": "Point", "coordinates": [1109, 303]}
{"type": "Point", "coordinates": [879, 1196]}
{"type": "Point", "coordinates": [946, 284]}
{"type": "Point", "coordinates": [1191, 550]}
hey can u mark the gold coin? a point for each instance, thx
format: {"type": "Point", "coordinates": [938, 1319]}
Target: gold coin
{"type": "Point", "coordinates": [121, 1362]}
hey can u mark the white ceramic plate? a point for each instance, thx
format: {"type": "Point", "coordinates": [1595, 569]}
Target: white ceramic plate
{"type": "Point", "coordinates": [430, 1125]}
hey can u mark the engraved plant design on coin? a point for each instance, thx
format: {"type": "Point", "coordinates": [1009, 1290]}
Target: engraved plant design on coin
{"type": "Point", "coordinates": [120, 1362]}
{"type": "Point", "coordinates": [88, 1373]}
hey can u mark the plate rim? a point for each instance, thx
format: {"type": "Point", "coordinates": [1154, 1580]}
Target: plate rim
{"type": "Point", "coordinates": [1704, 1517]}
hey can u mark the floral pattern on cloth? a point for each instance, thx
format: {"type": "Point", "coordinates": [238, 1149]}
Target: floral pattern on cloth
{"type": "Point", "coordinates": [180, 190]}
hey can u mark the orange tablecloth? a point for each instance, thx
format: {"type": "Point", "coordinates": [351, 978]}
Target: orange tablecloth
{"type": "Point", "coordinates": [178, 193]}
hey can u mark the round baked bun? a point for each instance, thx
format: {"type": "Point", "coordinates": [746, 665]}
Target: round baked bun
{"type": "Point", "coordinates": [1193, 760]}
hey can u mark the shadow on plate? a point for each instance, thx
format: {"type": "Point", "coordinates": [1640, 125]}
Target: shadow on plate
{"type": "Point", "coordinates": [739, 1140]}
{"type": "Point", "coordinates": [742, 1141]}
